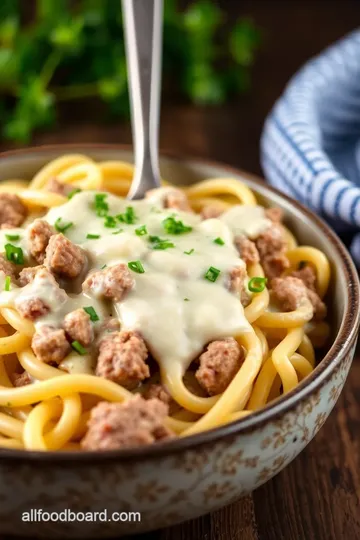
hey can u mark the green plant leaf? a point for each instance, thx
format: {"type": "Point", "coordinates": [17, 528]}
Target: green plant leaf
{"type": "Point", "coordinates": [8, 31]}
{"type": "Point", "coordinates": [244, 40]}
{"type": "Point", "coordinates": [204, 86]}
{"type": "Point", "coordinates": [8, 67]}
{"type": "Point", "coordinates": [9, 8]}
{"type": "Point", "coordinates": [75, 50]}
{"type": "Point", "coordinates": [68, 36]}
{"type": "Point", "coordinates": [51, 10]}
{"type": "Point", "coordinates": [202, 17]}
{"type": "Point", "coordinates": [34, 109]}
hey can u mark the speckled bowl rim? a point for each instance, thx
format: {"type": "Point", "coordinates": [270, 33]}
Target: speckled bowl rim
{"type": "Point", "coordinates": [321, 374]}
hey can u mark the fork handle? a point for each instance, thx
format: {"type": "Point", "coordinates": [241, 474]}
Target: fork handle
{"type": "Point", "coordinates": [143, 41]}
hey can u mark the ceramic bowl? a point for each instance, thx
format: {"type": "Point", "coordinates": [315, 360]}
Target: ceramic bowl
{"type": "Point", "coordinates": [182, 479]}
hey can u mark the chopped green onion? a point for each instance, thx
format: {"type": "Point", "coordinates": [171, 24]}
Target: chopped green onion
{"type": "Point", "coordinates": [62, 227]}
{"type": "Point", "coordinates": [172, 226]}
{"type": "Point", "coordinates": [164, 244]}
{"type": "Point", "coordinates": [128, 216]}
{"type": "Point", "coordinates": [93, 315]}
{"type": "Point", "coordinates": [141, 231]}
{"type": "Point", "coordinates": [93, 236]}
{"type": "Point", "coordinates": [219, 241]}
{"type": "Point", "coordinates": [78, 348]}
{"type": "Point", "coordinates": [189, 252]}
{"type": "Point", "coordinates": [7, 283]}
{"type": "Point", "coordinates": [155, 239]}
{"type": "Point", "coordinates": [14, 254]}
{"type": "Point", "coordinates": [136, 266]}
{"type": "Point", "coordinates": [186, 300]}
{"type": "Point", "coordinates": [12, 237]}
{"type": "Point", "coordinates": [118, 231]}
{"type": "Point", "coordinates": [212, 274]}
{"type": "Point", "coordinates": [100, 205]}
{"type": "Point", "coordinates": [160, 243]}
{"type": "Point", "coordinates": [257, 284]}
{"type": "Point", "coordinates": [110, 222]}
{"type": "Point", "coordinates": [104, 266]}
{"type": "Point", "coordinates": [73, 192]}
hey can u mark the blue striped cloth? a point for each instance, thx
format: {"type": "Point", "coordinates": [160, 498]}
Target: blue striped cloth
{"type": "Point", "coordinates": [310, 147]}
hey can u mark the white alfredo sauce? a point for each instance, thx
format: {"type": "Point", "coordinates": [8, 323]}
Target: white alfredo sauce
{"type": "Point", "coordinates": [174, 307]}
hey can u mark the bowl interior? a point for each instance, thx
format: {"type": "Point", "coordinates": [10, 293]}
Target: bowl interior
{"type": "Point", "coordinates": [343, 299]}
{"type": "Point", "coordinates": [184, 171]}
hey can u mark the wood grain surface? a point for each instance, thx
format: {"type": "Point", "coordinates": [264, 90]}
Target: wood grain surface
{"type": "Point", "coordinates": [317, 496]}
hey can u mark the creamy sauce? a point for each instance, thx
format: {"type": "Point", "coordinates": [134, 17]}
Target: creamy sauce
{"type": "Point", "coordinates": [74, 363]}
{"type": "Point", "coordinates": [175, 308]}
{"type": "Point", "coordinates": [247, 220]}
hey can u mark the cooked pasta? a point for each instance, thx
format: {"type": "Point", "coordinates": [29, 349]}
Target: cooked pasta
{"type": "Point", "coordinates": [187, 310]}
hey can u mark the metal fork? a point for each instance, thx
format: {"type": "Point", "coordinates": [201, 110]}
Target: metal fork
{"type": "Point", "coordinates": [142, 21]}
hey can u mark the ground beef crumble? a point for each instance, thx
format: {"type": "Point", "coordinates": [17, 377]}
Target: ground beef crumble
{"type": "Point", "coordinates": [63, 257]}
{"type": "Point", "coordinates": [39, 234]}
{"type": "Point", "coordinates": [219, 365]}
{"type": "Point", "coordinates": [113, 282]}
{"type": "Point", "coordinates": [50, 344]}
{"type": "Point", "coordinates": [12, 211]}
{"type": "Point", "coordinates": [122, 357]}
{"type": "Point", "coordinates": [121, 425]}
{"type": "Point", "coordinates": [79, 327]}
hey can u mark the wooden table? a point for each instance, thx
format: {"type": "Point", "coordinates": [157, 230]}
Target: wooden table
{"type": "Point", "coordinates": [317, 496]}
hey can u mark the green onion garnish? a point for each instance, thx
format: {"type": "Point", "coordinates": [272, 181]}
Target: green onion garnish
{"type": "Point", "coordinates": [189, 252]}
{"type": "Point", "coordinates": [155, 239]}
{"type": "Point", "coordinates": [172, 226]}
{"type": "Point", "coordinates": [110, 222]}
{"type": "Point", "coordinates": [62, 227]}
{"type": "Point", "coordinates": [7, 283]}
{"type": "Point", "coordinates": [14, 254]}
{"type": "Point", "coordinates": [93, 236]}
{"type": "Point", "coordinates": [136, 266]}
{"type": "Point", "coordinates": [100, 205]}
{"type": "Point", "coordinates": [159, 243]}
{"type": "Point", "coordinates": [12, 237]}
{"type": "Point", "coordinates": [128, 216]}
{"type": "Point", "coordinates": [186, 300]}
{"type": "Point", "coordinates": [212, 274]}
{"type": "Point", "coordinates": [219, 241]}
{"type": "Point", "coordinates": [92, 313]}
{"type": "Point", "coordinates": [164, 244]}
{"type": "Point", "coordinates": [73, 192]}
{"type": "Point", "coordinates": [257, 284]}
{"type": "Point", "coordinates": [78, 348]}
{"type": "Point", "coordinates": [104, 266]}
{"type": "Point", "coordinates": [118, 231]}
{"type": "Point", "coordinates": [141, 231]}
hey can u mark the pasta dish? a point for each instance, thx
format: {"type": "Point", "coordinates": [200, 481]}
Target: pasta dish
{"type": "Point", "coordinates": [124, 323]}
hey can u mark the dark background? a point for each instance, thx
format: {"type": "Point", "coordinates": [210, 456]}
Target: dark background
{"type": "Point", "coordinates": [292, 32]}
{"type": "Point", "coordinates": [317, 496]}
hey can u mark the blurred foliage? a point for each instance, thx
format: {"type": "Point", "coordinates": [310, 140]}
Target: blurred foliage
{"type": "Point", "coordinates": [75, 50]}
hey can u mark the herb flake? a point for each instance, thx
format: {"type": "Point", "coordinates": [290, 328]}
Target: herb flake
{"type": "Point", "coordinates": [62, 227]}
{"type": "Point", "coordinates": [78, 348]}
{"type": "Point", "coordinates": [136, 266]}
{"type": "Point", "coordinates": [92, 313]}
{"type": "Point", "coordinates": [212, 274]}
{"type": "Point", "coordinates": [14, 254]}
{"type": "Point", "coordinates": [173, 226]}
